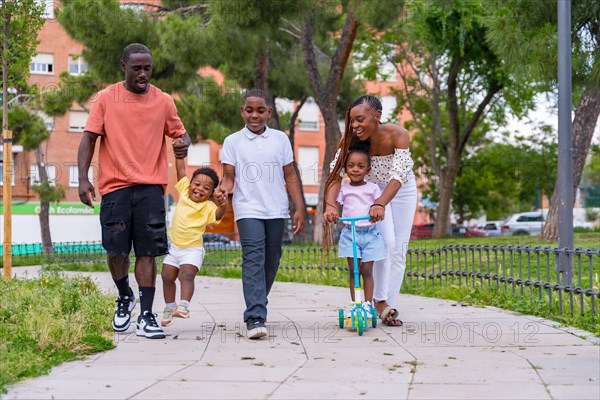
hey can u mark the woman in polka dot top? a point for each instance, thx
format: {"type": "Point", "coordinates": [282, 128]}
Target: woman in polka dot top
{"type": "Point", "coordinates": [391, 169]}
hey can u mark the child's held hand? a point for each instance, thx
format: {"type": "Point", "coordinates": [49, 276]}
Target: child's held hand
{"type": "Point", "coordinates": [177, 144]}
{"type": "Point", "coordinates": [220, 197]}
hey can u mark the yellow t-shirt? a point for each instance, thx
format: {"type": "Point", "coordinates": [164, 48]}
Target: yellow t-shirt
{"type": "Point", "coordinates": [190, 218]}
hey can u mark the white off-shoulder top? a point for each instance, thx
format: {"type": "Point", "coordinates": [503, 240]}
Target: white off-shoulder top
{"type": "Point", "coordinates": [398, 165]}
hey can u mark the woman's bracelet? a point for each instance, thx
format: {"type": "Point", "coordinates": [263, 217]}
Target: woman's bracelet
{"type": "Point", "coordinates": [377, 204]}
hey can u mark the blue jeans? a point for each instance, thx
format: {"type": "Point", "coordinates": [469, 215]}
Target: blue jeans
{"type": "Point", "coordinates": [261, 241]}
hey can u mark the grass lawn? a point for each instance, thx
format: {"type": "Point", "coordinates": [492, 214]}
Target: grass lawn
{"type": "Point", "coordinates": [49, 320]}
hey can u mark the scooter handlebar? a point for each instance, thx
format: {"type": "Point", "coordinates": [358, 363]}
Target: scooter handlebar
{"type": "Point", "coordinates": [350, 219]}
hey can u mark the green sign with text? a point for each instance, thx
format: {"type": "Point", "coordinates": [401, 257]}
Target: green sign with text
{"type": "Point", "coordinates": [62, 208]}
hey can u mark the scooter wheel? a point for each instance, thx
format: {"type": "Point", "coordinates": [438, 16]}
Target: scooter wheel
{"type": "Point", "coordinates": [359, 324]}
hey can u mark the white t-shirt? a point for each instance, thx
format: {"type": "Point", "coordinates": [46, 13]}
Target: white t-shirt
{"type": "Point", "coordinates": [259, 180]}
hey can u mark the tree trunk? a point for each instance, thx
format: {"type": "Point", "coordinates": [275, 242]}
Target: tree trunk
{"type": "Point", "coordinates": [307, 234]}
{"type": "Point", "coordinates": [459, 132]}
{"type": "Point", "coordinates": [584, 123]}
{"type": "Point", "coordinates": [275, 118]}
{"type": "Point", "coordinates": [44, 215]}
{"type": "Point", "coordinates": [261, 70]}
{"type": "Point", "coordinates": [326, 94]}
{"type": "Point", "coordinates": [447, 187]}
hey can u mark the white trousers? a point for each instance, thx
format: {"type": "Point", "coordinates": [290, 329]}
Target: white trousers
{"type": "Point", "coordinates": [395, 228]}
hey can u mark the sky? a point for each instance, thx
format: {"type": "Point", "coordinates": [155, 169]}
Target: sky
{"type": "Point", "coordinates": [546, 113]}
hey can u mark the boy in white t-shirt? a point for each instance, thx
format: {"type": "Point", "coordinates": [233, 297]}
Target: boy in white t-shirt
{"type": "Point", "coordinates": [357, 197]}
{"type": "Point", "coordinates": [260, 162]}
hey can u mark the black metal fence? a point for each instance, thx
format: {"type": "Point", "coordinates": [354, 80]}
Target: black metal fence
{"type": "Point", "coordinates": [525, 272]}
{"type": "Point", "coordinates": [517, 272]}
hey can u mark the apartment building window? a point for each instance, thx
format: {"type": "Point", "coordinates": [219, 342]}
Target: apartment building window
{"type": "Point", "coordinates": [12, 178]}
{"type": "Point", "coordinates": [199, 154]}
{"type": "Point", "coordinates": [34, 173]}
{"type": "Point", "coordinates": [48, 119]}
{"type": "Point", "coordinates": [77, 65]}
{"type": "Point", "coordinates": [77, 121]}
{"type": "Point", "coordinates": [308, 116]}
{"type": "Point", "coordinates": [42, 63]}
{"type": "Point", "coordinates": [74, 175]}
{"type": "Point", "coordinates": [308, 163]}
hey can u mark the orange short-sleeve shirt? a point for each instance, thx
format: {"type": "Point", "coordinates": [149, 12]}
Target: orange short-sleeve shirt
{"type": "Point", "coordinates": [133, 149]}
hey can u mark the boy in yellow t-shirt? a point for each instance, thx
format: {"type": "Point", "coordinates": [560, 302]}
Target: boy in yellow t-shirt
{"type": "Point", "coordinates": [200, 203]}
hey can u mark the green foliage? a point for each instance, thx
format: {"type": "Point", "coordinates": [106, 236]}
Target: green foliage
{"type": "Point", "coordinates": [58, 101]}
{"type": "Point", "coordinates": [591, 171]}
{"type": "Point", "coordinates": [24, 18]}
{"type": "Point", "coordinates": [105, 28]}
{"type": "Point", "coordinates": [49, 193]}
{"type": "Point", "coordinates": [49, 320]}
{"type": "Point", "coordinates": [502, 178]}
{"type": "Point", "coordinates": [209, 111]}
{"type": "Point", "coordinates": [447, 68]}
{"type": "Point", "coordinates": [29, 130]}
{"type": "Point", "coordinates": [525, 32]}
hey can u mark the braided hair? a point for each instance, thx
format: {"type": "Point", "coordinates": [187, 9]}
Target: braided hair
{"type": "Point", "coordinates": [348, 144]}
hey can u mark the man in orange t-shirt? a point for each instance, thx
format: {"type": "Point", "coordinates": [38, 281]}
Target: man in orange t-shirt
{"type": "Point", "coordinates": [131, 118]}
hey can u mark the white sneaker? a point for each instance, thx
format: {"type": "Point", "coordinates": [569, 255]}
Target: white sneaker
{"type": "Point", "coordinates": [146, 326]}
{"type": "Point", "coordinates": [122, 318]}
{"type": "Point", "coordinates": [256, 330]}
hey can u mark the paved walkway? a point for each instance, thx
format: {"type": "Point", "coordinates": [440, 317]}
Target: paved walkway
{"type": "Point", "coordinates": [444, 351]}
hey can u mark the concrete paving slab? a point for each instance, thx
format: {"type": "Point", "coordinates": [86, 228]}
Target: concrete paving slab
{"type": "Point", "coordinates": [191, 390]}
{"type": "Point", "coordinates": [345, 389]}
{"type": "Point", "coordinates": [478, 391]}
{"type": "Point", "coordinates": [69, 388]}
{"type": "Point", "coordinates": [250, 372]}
{"type": "Point", "coordinates": [574, 392]}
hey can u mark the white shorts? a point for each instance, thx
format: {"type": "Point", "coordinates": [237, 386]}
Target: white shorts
{"type": "Point", "coordinates": [184, 255]}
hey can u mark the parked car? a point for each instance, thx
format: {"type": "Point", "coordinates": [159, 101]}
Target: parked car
{"type": "Point", "coordinates": [425, 231]}
{"type": "Point", "coordinates": [474, 231]}
{"type": "Point", "coordinates": [218, 241]}
{"type": "Point", "coordinates": [492, 228]}
{"type": "Point", "coordinates": [422, 231]}
{"type": "Point", "coordinates": [525, 223]}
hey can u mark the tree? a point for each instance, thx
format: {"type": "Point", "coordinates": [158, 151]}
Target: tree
{"type": "Point", "coordinates": [505, 176]}
{"type": "Point", "coordinates": [327, 37]}
{"type": "Point", "coordinates": [21, 21]}
{"type": "Point", "coordinates": [526, 34]}
{"type": "Point", "coordinates": [453, 86]}
{"type": "Point", "coordinates": [30, 131]}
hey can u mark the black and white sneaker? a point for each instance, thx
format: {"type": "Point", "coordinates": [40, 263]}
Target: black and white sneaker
{"type": "Point", "coordinates": [122, 317]}
{"type": "Point", "coordinates": [146, 326]}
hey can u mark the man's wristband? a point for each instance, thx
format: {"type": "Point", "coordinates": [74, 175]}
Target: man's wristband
{"type": "Point", "coordinates": [377, 204]}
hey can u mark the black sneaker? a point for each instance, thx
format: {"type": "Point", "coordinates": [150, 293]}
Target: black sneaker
{"type": "Point", "coordinates": [256, 329]}
{"type": "Point", "coordinates": [122, 317]}
{"type": "Point", "coordinates": [147, 326]}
